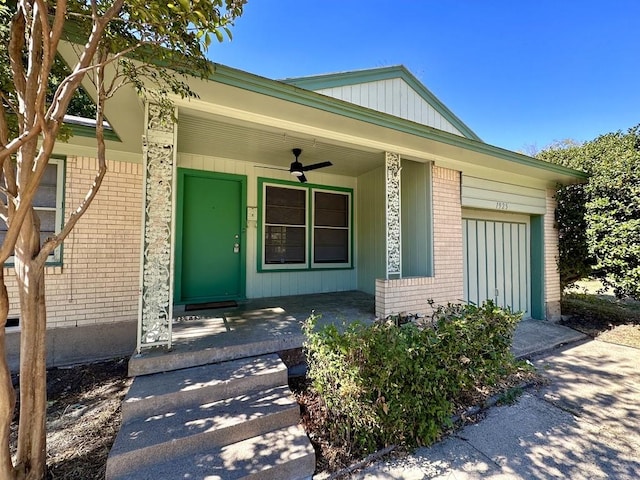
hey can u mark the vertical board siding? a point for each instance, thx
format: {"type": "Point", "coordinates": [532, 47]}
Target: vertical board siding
{"type": "Point", "coordinates": [416, 219]}
{"type": "Point", "coordinates": [276, 284]}
{"type": "Point", "coordinates": [446, 285]}
{"type": "Point", "coordinates": [496, 263]}
{"type": "Point", "coordinates": [370, 228]}
{"type": "Point", "coordinates": [395, 97]}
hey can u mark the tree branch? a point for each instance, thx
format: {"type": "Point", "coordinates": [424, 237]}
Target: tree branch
{"type": "Point", "coordinates": [14, 145]}
{"type": "Point", "coordinates": [65, 93]}
{"type": "Point", "coordinates": [16, 44]}
{"type": "Point", "coordinates": [82, 71]}
{"type": "Point", "coordinates": [51, 243]}
{"type": "Point", "coordinates": [46, 56]}
{"type": "Point", "coordinates": [9, 103]}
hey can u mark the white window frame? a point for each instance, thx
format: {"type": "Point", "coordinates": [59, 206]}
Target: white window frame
{"type": "Point", "coordinates": [348, 228]}
{"type": "Point", "coordinates": [309, 226]}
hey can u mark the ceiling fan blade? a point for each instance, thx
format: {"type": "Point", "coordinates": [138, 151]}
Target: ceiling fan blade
{"type": "Point", "coordinates": [302, 178]}
{"type": "Point", "coordinates": [315, 166]}
{"type": "Point", "coordinates": [272, 168]}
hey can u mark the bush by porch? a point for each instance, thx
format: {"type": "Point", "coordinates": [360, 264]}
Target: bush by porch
{"type": "Point", "coordinates": [389, 383]}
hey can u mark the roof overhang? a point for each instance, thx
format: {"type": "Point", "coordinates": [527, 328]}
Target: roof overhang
{"type": "Point", "coordinates": [255, 103]}
{"type": "Point", "coordinates": [262, 111]}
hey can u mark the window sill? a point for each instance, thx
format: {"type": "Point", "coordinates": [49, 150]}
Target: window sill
{"type": "Point", "coordinates": [48, 270]}
{"type": "Point", "coordinates": [315, 268]}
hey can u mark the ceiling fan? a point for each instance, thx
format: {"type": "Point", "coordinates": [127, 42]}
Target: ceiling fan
{"type": "Point", "coordinates": [297, 169]}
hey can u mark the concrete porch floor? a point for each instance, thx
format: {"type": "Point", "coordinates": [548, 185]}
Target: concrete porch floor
{"type": "Point", "coordinates": [254, 327]}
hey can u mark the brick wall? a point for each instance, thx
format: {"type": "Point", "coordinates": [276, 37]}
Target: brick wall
{"type": "Point", "coordinates": [98, 281]}
{"type": "Point", "coordinates": [412, 294]}
{"type": "Point", "coordinates": [551, 274]}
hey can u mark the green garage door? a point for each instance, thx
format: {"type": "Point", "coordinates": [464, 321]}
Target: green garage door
{"type": "Point", "coordinates": [496, 263]}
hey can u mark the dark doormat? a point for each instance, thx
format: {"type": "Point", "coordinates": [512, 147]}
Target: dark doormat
{"type": "Point", "coordinates": [208, 305]}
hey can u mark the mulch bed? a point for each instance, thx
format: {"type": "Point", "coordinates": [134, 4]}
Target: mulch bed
{"type": "Point", "coordinates": [83, 418]}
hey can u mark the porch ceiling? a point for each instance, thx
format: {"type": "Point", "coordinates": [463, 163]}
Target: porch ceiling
{"type": "Point", "coordinates": [208, 135]}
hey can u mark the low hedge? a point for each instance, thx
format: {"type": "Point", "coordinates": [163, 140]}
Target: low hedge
{"type": "Point", "coordinates": [389, 384]}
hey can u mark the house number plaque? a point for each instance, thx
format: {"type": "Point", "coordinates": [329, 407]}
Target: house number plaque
{"type": "Point", "coordinates": [502, 206]}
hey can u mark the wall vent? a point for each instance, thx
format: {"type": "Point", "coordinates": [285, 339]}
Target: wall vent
{"type": "Point", "coordinates": [13, 322]}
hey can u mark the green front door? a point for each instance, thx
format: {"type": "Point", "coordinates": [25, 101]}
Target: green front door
{"type": "Point", "coordinates": [210, 237]}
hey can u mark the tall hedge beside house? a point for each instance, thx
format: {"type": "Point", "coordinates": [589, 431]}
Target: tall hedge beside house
{"type": "Point", "coordinates": [599, 222]}
{"type": "Point", "coordinates": [385, 384]}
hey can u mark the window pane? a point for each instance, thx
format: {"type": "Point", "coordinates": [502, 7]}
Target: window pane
{"type": "Point", "coordinates": [47, 221]}
{"type": "Point", "coordinates": [285, 206]}
{"type": "Point", "coordinates": [46, 194]}
{"type": "Point", "coordinates": [331, 209]}
{"type": "Point", "coordinates": [331, 245]}
{"type": "Point", "coordinates": [284, 245]}
{"type": "Point", "coordinates": [47, 226]}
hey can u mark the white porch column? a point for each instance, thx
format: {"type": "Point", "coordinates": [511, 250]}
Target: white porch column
{"type": "Point", "coordinates": [156, 272]}
{"type": "Point", "coordinates": [394, 240]}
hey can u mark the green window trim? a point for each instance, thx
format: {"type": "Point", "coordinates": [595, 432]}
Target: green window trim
{"type": "Point", "coordinates": [309, 264]}
{"type": "Point", "coordinates": [55, 259]}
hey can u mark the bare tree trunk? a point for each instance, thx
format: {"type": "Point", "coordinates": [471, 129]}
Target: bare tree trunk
{"type": "Point", "coordinates": [7, 392]}
{"type": "Point", "coordinates": [31, 455]}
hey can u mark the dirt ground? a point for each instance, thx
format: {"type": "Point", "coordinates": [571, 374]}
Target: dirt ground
{"type": "Point", "coordinates": [83, 418]}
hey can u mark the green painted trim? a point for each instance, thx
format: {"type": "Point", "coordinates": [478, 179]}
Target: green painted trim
{"type": "Point", "coordinates": [177, 261]}
{"type": "Point", "coordinates": [90, 132]}
{"type": "Point", "coordinates": [59, 262]}
{"type": "Point", "coordinates": [310, 187]}
{"type": "Point", "coordinates": [291, 93]}
{"type": "Point", "coordinates": [242, 179]}
{"type": "Point", "coordinates": [332, 80]}
{"type": "Point", "coordinates": [537, 267]}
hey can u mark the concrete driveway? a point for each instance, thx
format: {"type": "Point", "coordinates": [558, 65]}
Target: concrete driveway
{"type": "Point", "coordinates": [584, 425]}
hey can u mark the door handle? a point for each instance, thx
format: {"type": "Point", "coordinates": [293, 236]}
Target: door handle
{"type": "Point", "coordinates": [236, 248]}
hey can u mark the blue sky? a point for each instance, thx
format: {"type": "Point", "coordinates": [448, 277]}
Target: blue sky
{"type": "Point", "coordinates": [518, 73]}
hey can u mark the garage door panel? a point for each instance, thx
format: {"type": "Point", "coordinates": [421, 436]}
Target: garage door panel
{"type": "Point", "coordinates": [473, 261]}
{"type": "Point", "coordinates": [508, 265]}
{"type": "Point", "coordinates": [465, 259]}
{"type": "Point", "coordinates": [499, 263]}
{"type": "Point", "coordinates": [496, 263]}
{"type": "Point", "coordinates": [490, 260]}
{"type": "Point", "coordinates": [481, 229]}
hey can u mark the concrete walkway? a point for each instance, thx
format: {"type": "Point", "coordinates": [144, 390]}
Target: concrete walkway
{"type": "Point", "coordinates": [584, 425]}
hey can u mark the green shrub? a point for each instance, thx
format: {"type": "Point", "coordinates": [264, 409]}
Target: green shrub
{"type": "Point", "coordinates": [386, 384]}
{"type": "Point", "coordinates": [599, 222]}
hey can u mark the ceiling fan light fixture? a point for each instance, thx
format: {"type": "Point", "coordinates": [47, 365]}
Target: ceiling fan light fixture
{"type": "Point", "coordinates": [296, 169]}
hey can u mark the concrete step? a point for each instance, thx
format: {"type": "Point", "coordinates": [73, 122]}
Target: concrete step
{"type": "Point", "coordinates": [164, 392]}
{"type": "Point", "coordinates": [205, 351]}
{"type": "Point", "coordinates": [214, 340]}
{"type": "Point", "coordinates": [283, 454]}
{"type": "Point", "coordinates": [145, 440]}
